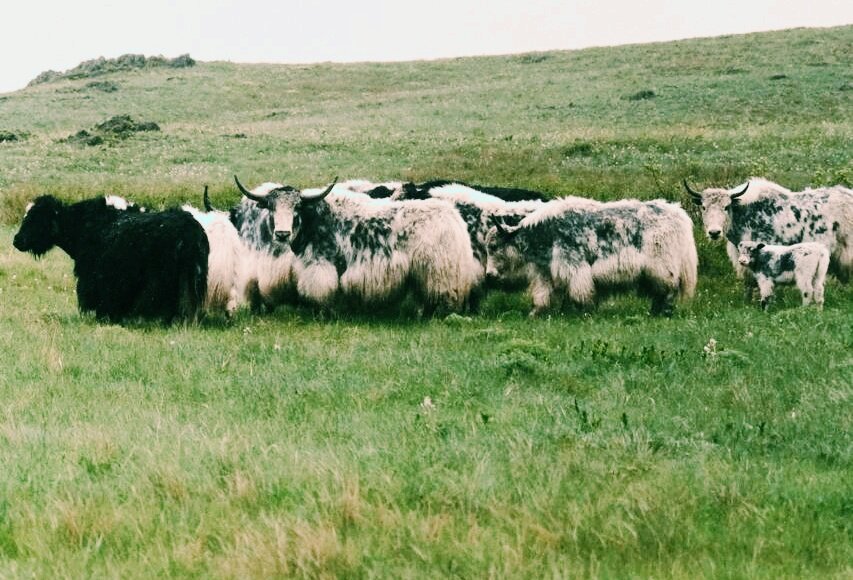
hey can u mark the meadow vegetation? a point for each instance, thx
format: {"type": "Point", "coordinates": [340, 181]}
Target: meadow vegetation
{"type": "Point", "coordinates": [716, 443]}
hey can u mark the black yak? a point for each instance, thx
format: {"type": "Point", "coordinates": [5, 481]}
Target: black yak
{"type": "Point", "coordinates": [128, 264]}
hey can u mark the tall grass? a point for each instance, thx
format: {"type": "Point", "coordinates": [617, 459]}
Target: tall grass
{"type": "Point", "coordinates": [306, 444]}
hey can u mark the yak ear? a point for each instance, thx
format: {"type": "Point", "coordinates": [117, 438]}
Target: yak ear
{"type": "Point", "coordinates": [759, 246]}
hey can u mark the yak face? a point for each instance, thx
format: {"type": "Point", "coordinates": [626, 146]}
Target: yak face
{"type": "Point", "coordinates": [748, 253]}
{"type": "Point", "coordinates": [716, 207]}
{"type": "Point", "coordinates": [281, 202]}
{"type": "Point", "coordinates": [502, 252]}
{"type": "Point", "coordinates": [39, 231]}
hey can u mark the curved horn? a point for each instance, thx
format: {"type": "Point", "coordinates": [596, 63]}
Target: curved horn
{"type": "Point", "coordinates": [247, 193]}
{"type": "Point", "coordinates": [502, 228]}
{"type": "Point", "coordinates": [207, 206]}
{"type": "Point", "coordinates": [497, 223]}
{"type": "Point", "coordinates": [693, 193]}
{"type": "Point", "coordinates": [321, 195]}
{"type": "Point", "coordinates": [741, 192]}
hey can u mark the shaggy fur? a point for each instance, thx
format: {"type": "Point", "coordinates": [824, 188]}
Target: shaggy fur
{"type": "Point", "coordinates": [479, 210]}
{"type": "Point", "coordinates": [575, 248]}
{"type": "Point", "coordinates": [128, 264]}
{"type": "Point", "coordinates": [502, 193]}
{"type": "Point", "coordinates": [373, 249]}
{"type": "Point", "coordinates": [230, 262]}
{"type": "Point", "coordinates": [769, 213]}
{"type": "Point", "coordinates": [270, 277]}
{"type": "Point", "coordinates": [802, 264]}
{"type": "Point", "coordinates": [268, 262]}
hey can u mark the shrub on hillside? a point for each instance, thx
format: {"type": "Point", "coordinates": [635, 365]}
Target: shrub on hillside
{"type": "Point", "coordinates": [642, 95]}
{"type": "Point", "coordinates": [115, 128]}
{"type": "Point", "coordinates": [9, 136]}
{"type": "Point", "coordinates": [101, 66]}
{"type": "Point", "coordinates": [103, 86]}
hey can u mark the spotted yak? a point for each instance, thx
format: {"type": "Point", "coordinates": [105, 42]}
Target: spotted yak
{"type": "Point", "coordinates": [803, 264]}
{"type": "Point", "coordinates": [766, 212]}
{"type": "Point", "coordinates": [372, 249]}
{"type": "Point", "coordinates": [478, 209]}
{"type": "Point", "coordinates": [576, 248]}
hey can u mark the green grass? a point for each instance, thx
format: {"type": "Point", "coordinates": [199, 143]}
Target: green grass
{"type": "Point", "coordinates": [607, 444]}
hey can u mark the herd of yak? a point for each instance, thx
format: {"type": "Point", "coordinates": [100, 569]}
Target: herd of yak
{"type": "Point", "coordinates": [443, 242]}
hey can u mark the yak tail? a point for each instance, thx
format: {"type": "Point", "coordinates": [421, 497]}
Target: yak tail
{"type": "Point", "coordinates": [192, 285]}
{"type": "Point", "coordinates": [689, 263]}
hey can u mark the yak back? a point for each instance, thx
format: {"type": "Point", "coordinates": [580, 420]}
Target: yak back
{"type": "Point", "coordinates": [146, 265]}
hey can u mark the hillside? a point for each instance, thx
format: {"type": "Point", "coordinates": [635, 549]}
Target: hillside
{"type": "Point", "coordinates": [316, 443]}
{"type": "Point", "coordinates": [603, 122]}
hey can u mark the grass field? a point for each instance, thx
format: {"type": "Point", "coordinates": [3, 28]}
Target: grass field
{"type": "Point", "coordinates": [607, 444]}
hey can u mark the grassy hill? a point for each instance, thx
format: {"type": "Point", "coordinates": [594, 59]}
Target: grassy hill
{"type": "Point", "coordinates": [598, 444]}
{"type": "Point", "coordinates": [575, 122]}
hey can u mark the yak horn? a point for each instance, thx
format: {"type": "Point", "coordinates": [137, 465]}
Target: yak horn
{"type": "Point", "coordinates": [691, 191]}
{"type": "Point", "coordinates": [247, 193]}
{"type": "Point", "coordinates": [321, 195]}
{"type": "Point", "coordinates": [741, 192]}
{"type": "Point", "coordinates": [207, 206]}
{"type": "Point", "coordinates": [503, 229]}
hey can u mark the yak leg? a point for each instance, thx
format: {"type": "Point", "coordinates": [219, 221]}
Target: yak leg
{"type": "Point", "coordinates": [765, 291]}
{"type": "Point", "coordinates": [818, 290]}
{"type": "Point", "coordinates": [804, 283]}
{"type": "Point", "coordinates": [749, 285]}
{"type": "Point", "coordinates": [663, 302]}
{"type": "Point", "coordinates": [318, 282]}
{"type": "Point", "coordinates": [542, 292]}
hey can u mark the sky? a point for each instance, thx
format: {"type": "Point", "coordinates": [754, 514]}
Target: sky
{"type": "Point", "coordinates": [48, 34]}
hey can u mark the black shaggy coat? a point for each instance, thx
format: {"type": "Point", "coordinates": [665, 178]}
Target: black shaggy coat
{"type": "Point", "coordinates": [128, 264]}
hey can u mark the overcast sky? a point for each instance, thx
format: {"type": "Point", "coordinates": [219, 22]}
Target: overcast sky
{"type": "Point", "coordinates": [47, 34]}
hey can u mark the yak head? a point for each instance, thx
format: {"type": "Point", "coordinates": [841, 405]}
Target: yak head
{"type": "Point", "coordinates": [281, 201]}
{"type": "Point", "coordinates": [503, 254]}
{"type": "Point", "coordinates": [39, 231]}
{"type": "Point", "coordinates": [748, 253]}
{"type": "Point", "coordinates": [716, 207]}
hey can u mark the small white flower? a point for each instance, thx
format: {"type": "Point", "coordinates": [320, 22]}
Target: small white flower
{"type": "Point", "coordinates": [710, 349]}
{"type": "Point", "coordinates": [171, 343]}
{"type": "Point", "coordinates": [427, 404]}
{"type": "Point", "coordinates": [247, 330]}
{"type": "Point", "coordinates": [793, 414]}
{"type": "Point", "coordinates": [276, 346]}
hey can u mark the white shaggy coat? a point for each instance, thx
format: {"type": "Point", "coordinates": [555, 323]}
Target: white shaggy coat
{"type": "Point", "coordinates": [371, 250]}
{"type": "Point", "coordinates": [230, 264]}
{"type": "Point", "coordinates": [822, 215]}
{"type": "Point", "coordinates": [487, 208]}
{"type": "Point", "coordinates": [572, 246]}
{"type": "Point", "coordinates": [803, 264]}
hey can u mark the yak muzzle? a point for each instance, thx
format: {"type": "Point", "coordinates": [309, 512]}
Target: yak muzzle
{"type": "Point", "coordinates": [282, 237]}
